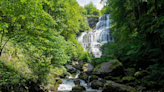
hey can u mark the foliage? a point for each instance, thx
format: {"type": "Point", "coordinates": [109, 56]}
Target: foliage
{"type": "Point", "coordinates": [137, 29]}
{"type": "Point", "coordinates": [91, 9]}
{"type": "Point", "coordinates": [37, 36]}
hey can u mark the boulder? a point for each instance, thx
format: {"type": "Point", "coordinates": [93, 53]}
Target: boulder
{"type": "Point", "coordinates": [83, 76]}
{"type": "Point", "coordinates": [112, 68]}
{"type": "Point", "coordinates": [78, 88]}
{"type": "Point", "coordinates": [130, 71]}
{"type": "Point", "coordinates": [77, 82]}
{"type": "Point", "coordinates": [97, 84]}
{"type": "Point", "coordinates": [116, 87]}
{"type": "Point", "coordinates": [78, 65]}
{"type": "Point", "coordinates": [88, 68]}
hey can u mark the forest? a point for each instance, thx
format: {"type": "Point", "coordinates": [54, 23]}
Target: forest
{"type": "Point", "coordinates": [38, 38]}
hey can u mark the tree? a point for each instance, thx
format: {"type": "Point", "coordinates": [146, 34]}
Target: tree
{"type": "Point", "coordinates": [91, 9]}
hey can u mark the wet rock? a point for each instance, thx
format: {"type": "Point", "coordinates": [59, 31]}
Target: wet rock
{"type": "Point", "coordinates": [112, 68]}
{"type": "Point", "coordinates": [97, 84]}
{"type": "Point", "coordinates": [130, 71]}
{"type": "Point", "coordinates": [77, 82]}
{"type": "Point", "coordinates": [88, 68]}
{"type": "Point", "coordinates": [83, 76]}
{"type": "Point", "coordinates": [116, 87]}
{"type": "Point", "coordinates": [78, 88]}
{"type": "Point", "coordinates": [92, 21]}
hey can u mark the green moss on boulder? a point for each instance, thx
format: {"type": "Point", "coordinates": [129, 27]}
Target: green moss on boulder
{"type": "Point", "coordinates": [94, 77]}
{"type": "Point", "coordinates": [128, 79]}
{"type": "Point", "coordinates": [78, 88]}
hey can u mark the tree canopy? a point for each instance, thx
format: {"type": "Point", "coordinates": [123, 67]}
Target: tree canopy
{"type": "Point", "coordinates": [37, 36]}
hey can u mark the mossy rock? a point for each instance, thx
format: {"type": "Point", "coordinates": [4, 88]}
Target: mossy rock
{"type": "Point", "coordinates": [128, 79]}
{"type": "Point", "coordinates": [130, 71]}
{"type": "Point", "coordinates": [116, 64]}
{"type": "Point", "coordinates": [83, 76]}
{"type": "Point", "coordinates": [112, 68]}
{"type": "Point", "coordinates": [78, 88]}
{"type": "Point", "coordinates": [94, 77]}
{"type": "Point", "coordinates": [116, 87]}
{"type": "Point", "coordinates": [115, 79]}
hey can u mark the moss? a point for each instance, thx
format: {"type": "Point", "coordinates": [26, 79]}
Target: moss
{"type": "Point", "coordinates": [132, 70]}
{"type": "Point", "coordinates": [94, 77]}
{"type": "Point", "coordinates": [138, 74]}
{"type": "Point", "coordinates": [98, 66]}
{"type": "Point", "coordinates": [128, 79]}
{"type": "Point", "coordinates": [116, 64]}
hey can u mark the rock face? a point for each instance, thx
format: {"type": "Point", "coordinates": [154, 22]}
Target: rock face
{"type": "Point", "coordinates": [115, 87]}
{"type": "Point", "coordinates": [78, 88]}
{"type": "Point", "coordinates": [112, 68]}
{"type": "Point", "coordinates": [92, 21]}
{"type": "Point", "coordinates": [88, 68]}
{"type": "Point", "coordinates": [97, 84]}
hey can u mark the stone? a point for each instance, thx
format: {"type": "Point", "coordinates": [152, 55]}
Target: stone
{"type": "Point", "coordinates": [112, 68]}
{"type": "Point", "coordinates": [77, 82]}
{"type": "Point", "coordinates": [83, 76]}
{"type": "Point", "coordinates": [92, 21]}
{"type": "Point", "coordinates": [97, 84]}
{"type": "Point", "coordinates": [78, 65]}
{"type": "Point", "coordinates": [116, 87]}
{"type": "Point", "coordinates": [78, 88]}
{"type": "Point", "coordinates": [88, 68]}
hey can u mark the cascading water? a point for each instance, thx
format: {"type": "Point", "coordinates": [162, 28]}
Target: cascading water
{"type": "Point", "coordinates": [95, 39]}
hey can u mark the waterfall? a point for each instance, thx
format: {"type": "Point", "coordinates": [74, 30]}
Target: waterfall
{"type": "Point", "coordinates": [93, 40]}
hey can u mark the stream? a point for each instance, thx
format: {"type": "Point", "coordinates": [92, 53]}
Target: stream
{"type": "Point", "coordinates": [68, 83]}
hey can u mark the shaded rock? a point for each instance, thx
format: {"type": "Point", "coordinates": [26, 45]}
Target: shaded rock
{"type": "Point", "coordinates": [97, 84]}
{"type": "Point", "coordinates": [83, 76]}
{"type": "Point", "coordinates": [77, 82]}
{"type": "Point", "coordinates": [88, 68]}
{"type": "Point", "coordinates": [69, 68]}
{"type": "Point", "coordinates": [78, 65]}
{"type": "Point", "coordinates": [128, 79]}
{"type": "Point", "coordinates": [92, 21]}
{"type": "Point", "coordinates": [93, 77]}
{"type": "Point", "coordinates": [115, 79]}
{"type": "Point", "coordinates": [112, 68]}
{"type": "Point", "coordinates": [78, 88]}
{"type": "Point", "coordinates": [130, 71]}
{"type": "Point", "coordinates": [116, 87]}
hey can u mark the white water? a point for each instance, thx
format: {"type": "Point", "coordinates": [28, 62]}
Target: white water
{"type": "Point", "coordinates": [93, 40]}
{"type": "Point", "coordinates": [67, 84]}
